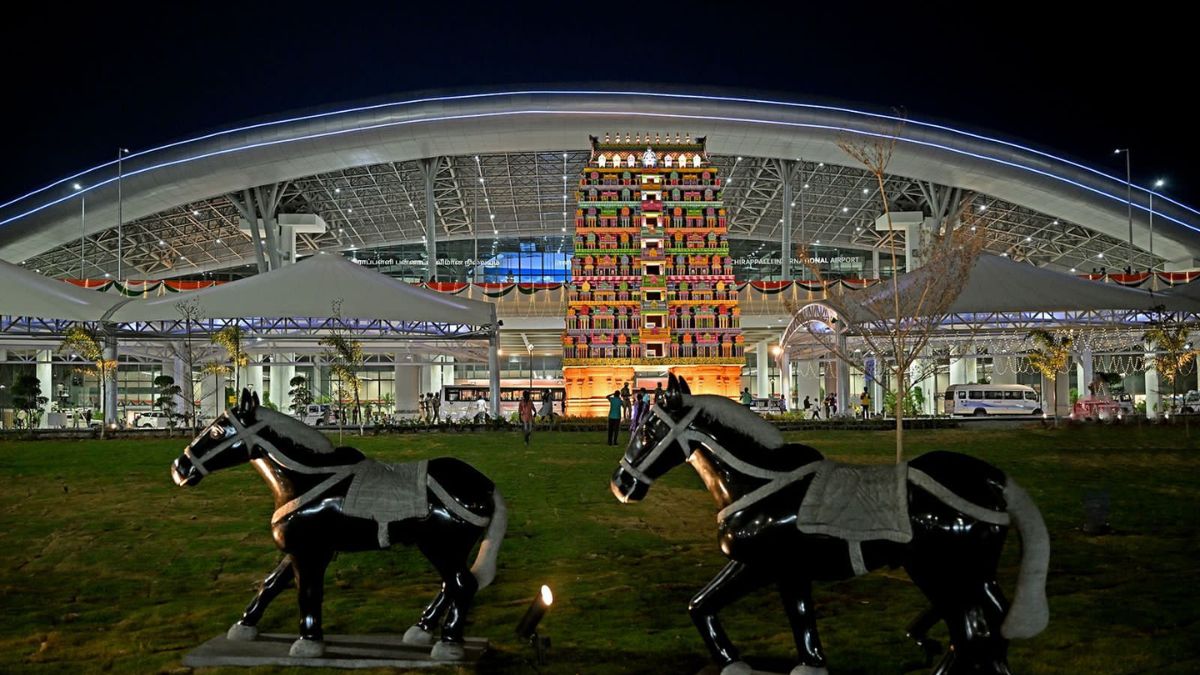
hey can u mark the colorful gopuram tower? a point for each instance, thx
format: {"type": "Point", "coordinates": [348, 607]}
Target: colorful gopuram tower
{"type": "Point", "coordinates": [653, 290]}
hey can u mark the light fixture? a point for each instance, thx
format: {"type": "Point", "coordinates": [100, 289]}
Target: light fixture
{"type": "Point", "coordinates": [1158, 183]}
{"type": "Point", "coordinates": [77, 186]}
{"type": "Point", "coordinates": [195, 212]}
{"type": "Point", "coordinates": [527, 626]}
{"type": "Point", "coordinates": [337, 190]}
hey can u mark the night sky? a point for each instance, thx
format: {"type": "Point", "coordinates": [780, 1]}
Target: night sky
{"type": "Point", "coordinates": [1077, 83]}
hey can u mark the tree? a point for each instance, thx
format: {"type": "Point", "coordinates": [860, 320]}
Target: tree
{"type": "Point", "coordinates": [1050, 357]}
{"type": "Point", "coordinates": [300, 393]}
{"type": "Point", "coordinates": [229, 338]}
{"type": "Point", "coordinates": [1172, 349]}
{"type": "Point", "coordinates": [894, 322]}
{"type": "Point", "coordinates": [27, 396]}
{"type": "Point", "coordinates": [345, 357]}
{"type": "Point", "coordinates": [89, 345]}
{"type": "Point", "coordinates": [189, 311]}
{"type": "Point", "coordinates": [167, 393]}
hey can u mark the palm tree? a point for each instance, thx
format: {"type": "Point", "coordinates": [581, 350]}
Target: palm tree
{"type": "Point", "coordinates": [345, 357]}
{"type": "Point", "coordinates": [89, 344]}
{"type": "Point", "coordinates": [1050, 357]}
{"type": "Point", "coordinates": [1172, 350]}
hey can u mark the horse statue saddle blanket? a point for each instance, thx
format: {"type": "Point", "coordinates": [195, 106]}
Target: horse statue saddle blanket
{"type": "Point", "coordinates": [857, 503]}
{"type": "Point", "coordinates": [387, 493]}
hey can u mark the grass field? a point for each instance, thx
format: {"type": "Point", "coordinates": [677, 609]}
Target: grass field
{"type": "Point", "coordinates": [105, 565]}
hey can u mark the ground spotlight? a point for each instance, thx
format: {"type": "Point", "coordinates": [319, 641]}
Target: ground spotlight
{"type": "Point", "coordinates": [527, 626]}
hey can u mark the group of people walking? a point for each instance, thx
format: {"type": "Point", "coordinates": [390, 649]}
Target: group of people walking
{"type": "Point", "coordinates": [625, 405]}
{"type": "Point", "coordinates": [430, 405]}
{"type": "Point", "coordinates": [527, 416]}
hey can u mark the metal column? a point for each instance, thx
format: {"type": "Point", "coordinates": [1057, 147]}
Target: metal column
{"type": "Point", "coordinates": [110, 391]}
{"type": "Point", "coordinates": [494, 372]}
{"type": "Point", "coordinates": [788, 168]}
{"type": "Point", "coordinates": [762, 357]}
{"type": "Point", "coordinates": [429, 171]}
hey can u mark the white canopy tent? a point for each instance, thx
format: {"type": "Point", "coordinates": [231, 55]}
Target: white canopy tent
{"type": "Point", "coordinates": [24, 293]}
{"type": "Point", "coordinates": [300, 301]}
{"type": "Point", "coordinates": [999, 284]}
{"type": "Point", "coordinates": [310, 289]}
{"type": "Point", "coordinates": [328, 291]}
{"type": "Point", "coordinates": [1001, 298]}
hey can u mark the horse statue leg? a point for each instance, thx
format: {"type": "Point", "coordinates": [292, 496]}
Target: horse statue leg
{"type": "Point", "coordinates": [310, 581]}
{"type": "Point", "coordinates": [918, 632]}
{"type": "Point", "coordinates": [797, 602]}
{"type": "Point", "coordinates": [247, 628]}
{"type": "Point", "coordinates": [458, 590]}
{"type": "Point", "coordinates": [734, 581]}
{"type": "Point", "coordinates": [421, 633]}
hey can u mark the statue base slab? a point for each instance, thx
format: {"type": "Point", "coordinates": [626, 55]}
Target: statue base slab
{"type": "Point", "coordinates": [341, 651]}
{"type": "Point", "coordinates": [781, 669]}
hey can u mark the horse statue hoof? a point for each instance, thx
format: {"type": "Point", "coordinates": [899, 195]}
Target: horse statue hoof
{"type": "Point", "coordinates": [737, 668]}
{"type": "Point", "coordinates": [240, 632]}
{"type": "Point", "coordinates": [415, 635]}
{"type": "Point", "coordinates": [448, 651]}
{"type": "Point", "coordinates": [809, 670]}
{"type": "Point", "coordinates": [307, 649]}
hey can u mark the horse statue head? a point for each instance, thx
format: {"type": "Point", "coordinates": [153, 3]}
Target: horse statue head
{"type": "Point", "coordinates": [732, 449]}
{"type": "Point", "coordinates": [236, 435]}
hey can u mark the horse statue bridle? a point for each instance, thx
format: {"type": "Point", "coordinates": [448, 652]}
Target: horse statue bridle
{"type": "Point", "coordinates": [680, 432]}
{"type": "Point", "coordinates": [241, 433]}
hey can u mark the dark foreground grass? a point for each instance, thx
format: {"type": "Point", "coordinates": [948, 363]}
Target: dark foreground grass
{"type": "Point", "coordinates": [106, 566]}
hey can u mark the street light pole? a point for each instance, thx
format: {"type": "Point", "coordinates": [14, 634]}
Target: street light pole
{"type": "Point", "coordinates": [1128, 198]}
{"type": "Point", "coordinates": [1157, 184]}
{"type": "Point", "coordinates": [121, 152]}
{"type": "Point", "coordinates": [82, 223]}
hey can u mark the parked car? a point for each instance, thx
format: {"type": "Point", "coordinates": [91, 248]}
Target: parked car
{"type": "Point", "coordinates": [152, 419]}
{"type": "Point", "coordinates": [1125, 403]}
{"type": "Point", "coordinates": [1191, 402]}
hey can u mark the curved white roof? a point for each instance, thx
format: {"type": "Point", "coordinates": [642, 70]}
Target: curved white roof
{"type": "Point", "coordinates": [493, 122]}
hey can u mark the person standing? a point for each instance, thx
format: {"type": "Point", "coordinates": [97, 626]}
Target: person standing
{"type": "Point", "coordinates": [865, 401]}
{"type": "Point", "coordinates": [616, 404]}
{"type": "Point", "coordinates": [525, 413]}
{"type": "Point", "coordinates": [546, 412]}
{"type": "Point", "coordinates": [626, 405]}
{"type": "Point", "coordinates": [782, 405]}
{"type": "Point", "coordinates": [421, 401]}
{"type": "Point", "coordinates": [659, 394]}
{"type": "Point", "coordinates": [747, 399]}
{"type": "Point", "coordinates": [436, 400]}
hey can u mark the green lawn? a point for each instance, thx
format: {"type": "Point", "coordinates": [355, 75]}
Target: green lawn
{"type": "Point", "coordinates": [105, 565]}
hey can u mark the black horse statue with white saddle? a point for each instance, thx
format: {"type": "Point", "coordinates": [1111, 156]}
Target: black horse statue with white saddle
{"type": "Point", "coordinates": [789, 517]}
{"type": "Point", "coordinates": [331, 499]}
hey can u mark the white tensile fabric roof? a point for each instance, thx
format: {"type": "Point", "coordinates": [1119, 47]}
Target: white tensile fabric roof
{"type": "Point", "coordinates": [309, 289]}
{"type": "Point", "coordinates": [998, 284]}
{"type": "Point", "coordinates": [25, 293]}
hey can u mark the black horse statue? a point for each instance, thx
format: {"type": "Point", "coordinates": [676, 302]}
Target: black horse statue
{"type": "Point", "coordinates": [331, 499]}
{"type": "Point", "coordinates": [789, 517]}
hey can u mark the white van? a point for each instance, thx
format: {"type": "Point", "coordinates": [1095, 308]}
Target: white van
{"type": "Point", "coordinates": [152, 419]}
{"type": "Point", "coordinates": [991, 399]}
{"type": "Point", "coordinates": [316, 415]}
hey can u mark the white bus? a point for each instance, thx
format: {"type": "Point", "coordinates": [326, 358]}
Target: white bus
{"type": "Point", "coordinates": [465, 401]}
{"type": "Point", "coordinates": [991, 399]}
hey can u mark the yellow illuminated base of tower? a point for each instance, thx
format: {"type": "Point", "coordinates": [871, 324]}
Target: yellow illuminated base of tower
{"type": "Point", "coordinates": [588, 386]}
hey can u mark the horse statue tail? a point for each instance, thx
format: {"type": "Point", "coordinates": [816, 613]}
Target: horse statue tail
{"type": "Point", "coordinates": [484, 568]}
{"type": "Point", "coordinates": [1029, 612]}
